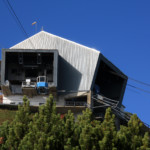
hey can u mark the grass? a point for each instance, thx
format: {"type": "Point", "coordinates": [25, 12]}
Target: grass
{"type": "Point", "coordinates": [6, 115]}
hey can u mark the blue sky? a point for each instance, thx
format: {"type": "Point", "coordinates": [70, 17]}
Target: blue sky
{"type": "Point", "coordinates": [119, 29]}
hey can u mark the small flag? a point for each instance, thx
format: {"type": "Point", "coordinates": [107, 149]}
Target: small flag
{"type": "Point", "coordinates": [34, 23]}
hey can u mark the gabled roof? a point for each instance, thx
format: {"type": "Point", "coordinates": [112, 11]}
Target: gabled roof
{"type": "Point", "coordinates": [80, 59]}
{"type": "Point", "coordinates": [30, 43]}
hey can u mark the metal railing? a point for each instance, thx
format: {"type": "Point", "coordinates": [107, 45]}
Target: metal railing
{"type": "Point", "coordinates": [28, 84]}
{"type": "Point", "coordinates": [75, 103]}
{"type": "Point", "coordinates": [107, 102]}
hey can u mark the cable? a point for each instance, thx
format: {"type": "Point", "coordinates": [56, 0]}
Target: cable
{"type": "Point", "coordinates": [141, 82]}
{"type": "Point", "coordinates": [135, 81]}
{"type": "Point", "coordinates": [138, 88]}
{"type": "Point", "coordinates": [22, 28]}
{"type": "Point", "coordinates": [11, 10]}
{"type": "Point", "coordinates": [15, 16]}
{"type": "Point", "coordinates": [133, 90]}
{"type": "Point", "coordinates": [118, 110]}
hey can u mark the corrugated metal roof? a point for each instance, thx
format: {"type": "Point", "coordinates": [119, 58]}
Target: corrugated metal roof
{"type": "Point", "coordinates": [81, 58]}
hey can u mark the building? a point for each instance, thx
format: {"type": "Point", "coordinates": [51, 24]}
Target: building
{"type": "Point", "coordinates": [77, 76]}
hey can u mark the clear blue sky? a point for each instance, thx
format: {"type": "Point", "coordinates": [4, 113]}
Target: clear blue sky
{"type": "Point", "coordinates": [119, 29]}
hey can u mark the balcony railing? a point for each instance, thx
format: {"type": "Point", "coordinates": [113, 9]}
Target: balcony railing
{"type": "Point", "coordinates": [76, 103]}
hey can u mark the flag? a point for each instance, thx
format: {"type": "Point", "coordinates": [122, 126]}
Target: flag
{"type": "Point", "coordinates": [34, 23]}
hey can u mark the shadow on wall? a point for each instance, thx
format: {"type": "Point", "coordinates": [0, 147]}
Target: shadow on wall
{"type": "Point", "coordinates": [69, 78]}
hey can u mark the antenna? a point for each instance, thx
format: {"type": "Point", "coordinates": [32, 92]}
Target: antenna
{"type": "Point", "coordinates": [35, 23]}
{"type": "Point", "coordinates": [42, 29]}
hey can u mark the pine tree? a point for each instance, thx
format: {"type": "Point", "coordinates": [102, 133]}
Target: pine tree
{"type": "Point", "coordinates": [88, 138]}
{"type": "Point", "coordinates": [81, 122]}
{"type": "Point", "coordinates": [145, 142]}
{"type": "Point", "coordinates": [45, 131]}
{"type": "Point", "coordinates": [124, 138]}
{"type": "Point", "coordinates": [109, 132]}
{"type": "Point", "coordinates": [85, 138]}
{"type": "Point", "coordinates": [88, 131]}
{"type": "Point", "coordinates": [68, 130]}
{"type": "Point", "coordinates": [96, 134]}
{"type": "Point", "coordinates": [135, 130]}
{"type": "Point", "coordinates": [4, 130]}
{"type": "Point", "coordinates": [130, 137]}
{"type": "Point", "coordinates": [19, 126]}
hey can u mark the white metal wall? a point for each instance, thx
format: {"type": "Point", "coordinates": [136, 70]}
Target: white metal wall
{"type": "Point", "coordinates": [81, 58]}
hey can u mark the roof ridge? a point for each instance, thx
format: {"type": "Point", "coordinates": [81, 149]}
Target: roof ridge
{"type": "Point", "coordinates": [25, 40]}
{"type": "Point", "coordinates": [45, 32]}
{"type": "Point", "coordinates": [71, 41]}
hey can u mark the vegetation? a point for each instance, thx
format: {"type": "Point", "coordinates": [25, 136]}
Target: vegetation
{"type": "Point", "coordinates": [6, 115]}
{"type": "Point", "coordinates": [47, 130]}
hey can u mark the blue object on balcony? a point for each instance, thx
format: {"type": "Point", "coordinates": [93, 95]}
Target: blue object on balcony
{"type": "Point", "coordinates": [42, 84]}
